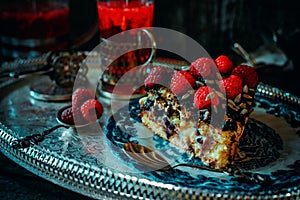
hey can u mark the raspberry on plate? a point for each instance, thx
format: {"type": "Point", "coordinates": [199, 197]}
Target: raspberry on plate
{"type": "Point", "coordinates": [224, 64]}
{"type": "Point", "coordinates": [202, 67]}
{"type": "Point", "coordinates": [91, 109]}
{"type": "Point", "coordinates": [205, 97]}
{"type": "Point", "coordinates": [182, 81]}
{"type": "Point", "coordinates": [81, 95]}
{"type": "Point", "coordinates": [247, 74]}
{"type": "Point", "coordinates": [67, 116]}
{"type": "Point", "coordinates": [233, 86]}
{"type": "Point", "coordinates": [157, 75]}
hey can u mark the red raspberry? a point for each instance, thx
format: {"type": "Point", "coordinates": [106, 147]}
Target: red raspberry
{"type": "Point", "coordinates": [233, 86]}
{"type": "Point", "coordinates": [78, 117]}
{"type": "Point", "coordinates": [202, 67]}
{"type": "Point", "coordinates": [91, 109]}
{"type": "Point", "coordinates": [205, 97]}
{"type": "Point", "coordinates": [224, 64]}
{"type": "Point", "coordinates": [248, 74]}
{"type": "Point", "coordinates": [182, 81]}
{"type": "Point", "coordinates": [157, 75]}
{"type": "Point", "coordinates": [81, 95]}
{"type": "Point", "coordinates": [67, 116]}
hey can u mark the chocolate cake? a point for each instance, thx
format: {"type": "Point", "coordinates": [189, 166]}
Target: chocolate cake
{"type": "Point", "coordinates": [180, 105]}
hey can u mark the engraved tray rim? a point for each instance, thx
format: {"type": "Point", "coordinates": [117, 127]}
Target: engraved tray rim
{"type": "Point", "coordinates": [99, 182]}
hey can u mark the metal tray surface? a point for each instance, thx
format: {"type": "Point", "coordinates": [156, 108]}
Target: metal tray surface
{"type": "Point", "coordinates": [86, 163]}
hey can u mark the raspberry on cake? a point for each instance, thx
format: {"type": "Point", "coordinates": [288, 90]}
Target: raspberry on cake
{"type": "Point", "coordinates": [182, 81]}
{"type": "Point", "coordinates": [157, 75]}
{"type": "Point", "coordinates": [233, 86]}
{"type": "Point", "coordinates": [248, 74]}
{"type": "Point", "coordinates": [182, 113]}
{"type": "Point", "coordinates": [205, 97]}
{"type": "Point", "coordinates": [202, 67]}
{"type": "Point", "coordinates": [224, 64]}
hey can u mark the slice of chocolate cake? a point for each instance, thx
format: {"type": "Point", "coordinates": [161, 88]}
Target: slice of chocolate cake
{"type": "Point", "coordinates": [180, 108]}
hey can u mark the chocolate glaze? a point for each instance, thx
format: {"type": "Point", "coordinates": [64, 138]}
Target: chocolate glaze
{"type": "Point", "coordinates": [148, 104]}
{"type": "Point", "coordinates": [169, 127]}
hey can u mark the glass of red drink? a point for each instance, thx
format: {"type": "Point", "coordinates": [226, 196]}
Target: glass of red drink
{"type": "Point", "coordinates": [135, 17]}
{"type": "Point", "coordinates": [31, 27]}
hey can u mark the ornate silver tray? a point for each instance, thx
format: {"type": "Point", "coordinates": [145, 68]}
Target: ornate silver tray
{"type": "Point", "coordinates": [87, 164]}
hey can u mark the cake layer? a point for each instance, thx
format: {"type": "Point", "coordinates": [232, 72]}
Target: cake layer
{"type": "Point", "coordinates": [163, 114]}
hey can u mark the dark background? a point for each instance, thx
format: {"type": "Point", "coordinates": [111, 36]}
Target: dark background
{"type": "Point", "coordinates": [216, 25]}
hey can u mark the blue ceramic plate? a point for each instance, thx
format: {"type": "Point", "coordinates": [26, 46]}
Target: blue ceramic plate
{"type": "Point", "coordinates": [270, 144]}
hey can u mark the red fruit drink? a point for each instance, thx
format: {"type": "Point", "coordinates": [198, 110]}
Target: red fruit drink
{"type": "Point", "coordinates": [33, 27]}
{"type": "Point", "coordinates": [116, 17]}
